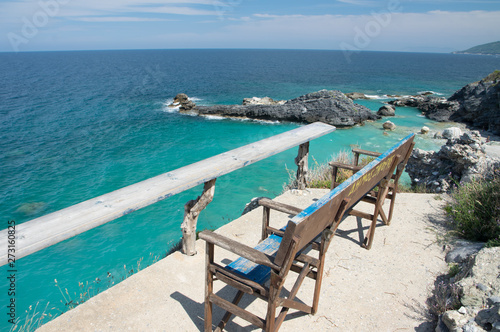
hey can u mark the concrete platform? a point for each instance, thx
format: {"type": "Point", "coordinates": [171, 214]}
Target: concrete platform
{"type": "Point", "coordinates": [382, 289]}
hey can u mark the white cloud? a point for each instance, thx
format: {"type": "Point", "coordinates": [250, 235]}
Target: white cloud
{"type": "Point", "coordinates": [117, 19]}
{"type": "Point", "coordinates": [278, 16]}
{"type": "Point", "coordinates": [176, 10]}
{"type": "Point", "coordinates": [14, 11]}
{"type": "Point", "coordinates": [360, 2]}
{"type": "Point", "coordinates": [399, 31]}
{"type": "Point", "coordinates": [434, 30]}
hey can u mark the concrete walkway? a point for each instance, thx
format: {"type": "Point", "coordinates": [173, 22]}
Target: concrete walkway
{"type": "Point", "coordinates": [382, 289]}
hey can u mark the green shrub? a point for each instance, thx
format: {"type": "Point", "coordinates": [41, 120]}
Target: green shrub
{"type": "Point", "coordinates": [476, 210]}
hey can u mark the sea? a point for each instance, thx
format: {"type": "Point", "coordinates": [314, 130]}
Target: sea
{"type": "Point", "coordinates": [76, 125]}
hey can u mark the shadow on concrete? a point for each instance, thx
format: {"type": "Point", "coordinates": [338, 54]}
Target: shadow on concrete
{"type": "Point", "coordinates": [360, 230]}
{"type": "Point", "coordinates": [196, 310]}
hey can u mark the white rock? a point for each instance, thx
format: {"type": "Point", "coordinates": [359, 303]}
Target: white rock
{"type": "Point", "coordinates": [452, 132]}
{"type": "Point", "coordinates": [388, 125]}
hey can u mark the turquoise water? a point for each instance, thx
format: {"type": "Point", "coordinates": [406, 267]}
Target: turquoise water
{"type": "Point", "coordinates": [75, 125]}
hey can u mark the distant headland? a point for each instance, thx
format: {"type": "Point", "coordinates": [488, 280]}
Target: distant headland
{"type": "Point", "coordinates": [484, 49]}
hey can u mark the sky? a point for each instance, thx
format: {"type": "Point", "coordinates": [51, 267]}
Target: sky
{"type": "Point", "coordinates": [356, 25]}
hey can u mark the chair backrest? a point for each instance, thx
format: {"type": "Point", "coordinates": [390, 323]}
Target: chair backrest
{"type": "Point", "coordinates": [308, 224]}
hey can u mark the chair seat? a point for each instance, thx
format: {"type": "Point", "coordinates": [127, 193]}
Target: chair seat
{"type": "Point", "coordinates": [256, 272]}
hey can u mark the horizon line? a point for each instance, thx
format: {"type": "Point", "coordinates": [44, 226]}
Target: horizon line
{"type": "Point", "coordinates": [228, 48]}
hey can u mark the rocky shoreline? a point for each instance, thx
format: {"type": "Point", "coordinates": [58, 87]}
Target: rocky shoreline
{"type": "Point", "coordinates": [331, 107]}
{"type": "Point", "coordinates": [476, 104]}
{"type": "Point", "coordinates": [462, 159]}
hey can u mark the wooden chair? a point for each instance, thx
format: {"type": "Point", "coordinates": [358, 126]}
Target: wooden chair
{"type": "Point", "coordinates": [273, 259]}
{"type": "Point", "coordinates": [386, 189]}
{"type": "Point", "coordinates": [286, 250]}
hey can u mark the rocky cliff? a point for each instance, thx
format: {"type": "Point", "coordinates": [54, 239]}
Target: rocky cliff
{"type": "Point", "coordinates": [479, 103]}
{"type": "Point", "coordinates": [331, 107]}
{"type": "Point", "coordinates": [476, 104]}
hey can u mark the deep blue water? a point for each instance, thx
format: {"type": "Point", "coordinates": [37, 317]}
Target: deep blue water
{"type": "Point", "coordinates": [75, 125]}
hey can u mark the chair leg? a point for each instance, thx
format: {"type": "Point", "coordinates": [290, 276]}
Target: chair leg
{"type": "Point", "coordinates": [209, 256]}
{"type": "Point", "coordinates": [393, 200]}
{"type": "Point", "coordinates": [228, 315]}
{"type": "Point", "coordinates": [317, 285]}
{"type": "Point", "coordinates": [367, 243]}
{"type": "Point", "coordinates": [271, 316]}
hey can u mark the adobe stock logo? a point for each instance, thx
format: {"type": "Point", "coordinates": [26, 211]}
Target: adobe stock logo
{"type": "Point", "coordinates": [225, 6]}
{"type": "Point", "coordinates": [363, 37]}
{"type": "Point", "coordinates": [30, 28]}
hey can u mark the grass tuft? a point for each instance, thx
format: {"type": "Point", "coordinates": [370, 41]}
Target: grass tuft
{"type": "Point", "coordinates": [445, 296]}
{"type": "Point", "coordinates": [475, 210]}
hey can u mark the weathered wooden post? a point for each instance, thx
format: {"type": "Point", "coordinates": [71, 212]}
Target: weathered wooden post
{"type": "Point", "coordinates": [302, 165]}
{"type": "Point", "coordinates": [192, 210]}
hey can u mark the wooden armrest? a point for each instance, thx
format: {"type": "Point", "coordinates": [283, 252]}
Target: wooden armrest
{"type": "Point", "coordinates": [345, 166]}
{"type": "Point", "coordinates": [239, 248]}
{"type": "Point", "coordinates": [285, 208]}
{"type": "Point", "coordinates": [366, 152]}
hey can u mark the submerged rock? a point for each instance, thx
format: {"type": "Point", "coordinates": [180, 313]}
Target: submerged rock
{"type": "Point", "coordinates": [29, 209]}
{"type": "Point", "coordinates": [331, 107]}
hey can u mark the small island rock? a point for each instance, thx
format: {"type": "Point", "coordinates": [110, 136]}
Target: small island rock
{"type": "Point", "coordinates": [183, 101]}
{"type": "Point", "coordinates": [386, 110]}
{"type": "Point", "coordinates": [388, 125]}
{"type": "Point", "coordinates": [356, 95]}
{"type": "Point", "coordinates": [331, 107]}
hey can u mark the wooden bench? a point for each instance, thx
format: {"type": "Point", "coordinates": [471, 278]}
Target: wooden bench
{"type": "Point", "coordinates": [287, 249]}
{"type": "Point", "coordinates": [385, 189]}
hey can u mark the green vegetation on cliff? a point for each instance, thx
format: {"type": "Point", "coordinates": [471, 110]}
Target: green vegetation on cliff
{"type": "Point", "coordinates": [490, 48]}
{"type": "Point", "coordinates": [475, 210]}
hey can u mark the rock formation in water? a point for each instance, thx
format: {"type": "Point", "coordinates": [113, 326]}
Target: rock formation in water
{"type": "Point", "coordinates": [435, 108]}
{"type": "Point", "coordinates": [182, 101]}
{"type": "Point", "coordinates": [479, 103]}
{"type": "Point", "coordinates": [331, 107]}
{"type": "Point", "coordinates": [386, 110]}
{"type": "Point", "coordinates": [476, 104]}
{"type": "Point", "coordinates": [356, 95]}
{"type": "Point", "coordinates": [388, 125]}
